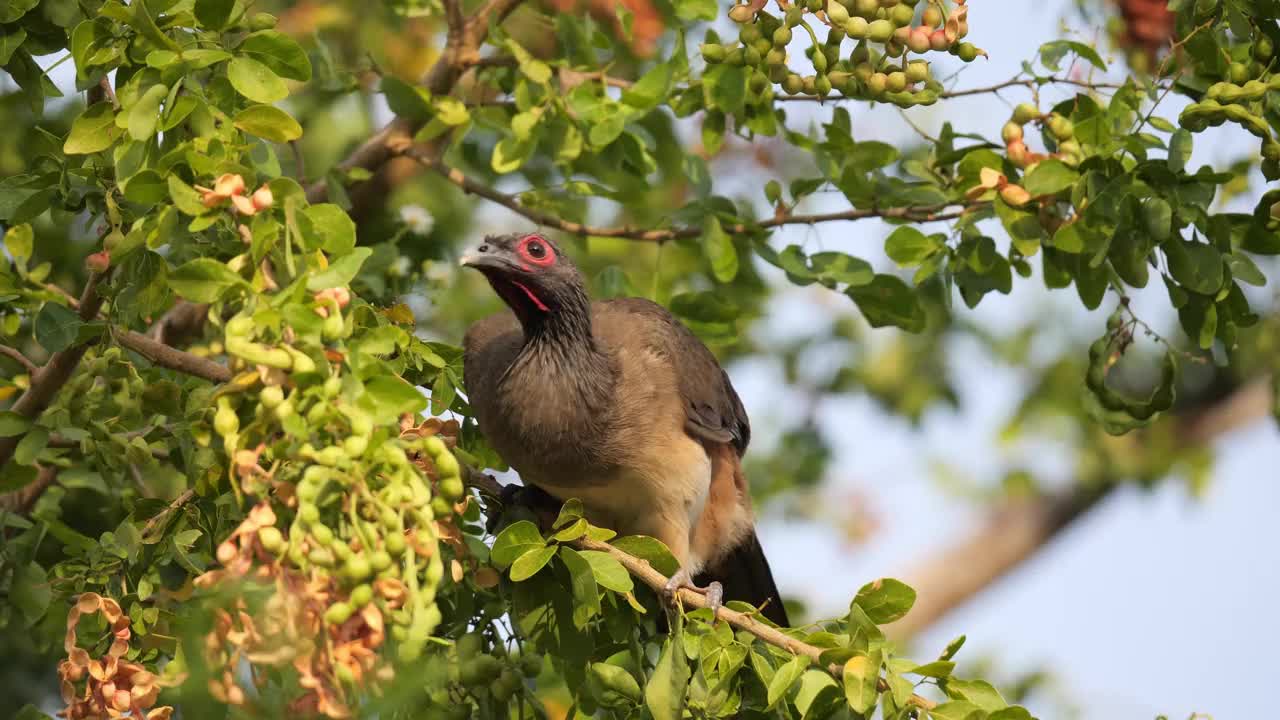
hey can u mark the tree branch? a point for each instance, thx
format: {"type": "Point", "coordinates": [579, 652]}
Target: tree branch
{"type": "Point", "coordinates": [645, 573]}
{"type": "Point", "coordinates": [923, 213]}
{"type": "Point", "coordinates": [461, 50]}
{"type": "Point", "coordinates": [172, 358]}
{"type": "Point", "coordinates": [1013, 533]}
{"type": "Point", "coordinates": [18, 356]}
{"type": "Point", "coordinates": [48, 380]}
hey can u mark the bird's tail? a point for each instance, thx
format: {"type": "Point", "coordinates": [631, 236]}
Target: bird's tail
{"type": "Point", "coordinates": [745, 575]}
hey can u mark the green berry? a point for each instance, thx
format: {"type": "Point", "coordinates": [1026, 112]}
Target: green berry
{"type": "Point", "coordinates": [880, 31]}
{"type": "Point", "coordinates": [1025, 113]}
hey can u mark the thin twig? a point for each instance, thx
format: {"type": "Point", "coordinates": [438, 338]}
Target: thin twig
{"type": "Point", "coordinates": [647, 574]}
{"type": "Point", "coordinates": [924, 213]}
{"type": "Point", "coordinates": [22, 359]}
{"type": "Point", "coordinates": [172, 358]}
{"type": "Point", "coordinates": [177, 503]}
{"type": "Point", "coordinates": [48, 380]}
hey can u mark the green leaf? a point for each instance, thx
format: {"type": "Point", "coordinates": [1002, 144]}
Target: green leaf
{"type": "Point", "coordinates": [956, 710]}
{"type": "Point", "coordinates": [10, 41]}
{"type": "Point", "coordinates": [650, 550]}
{"type": "Point", "coordinates": [93, 131]}
{"type": "Point", "coordinates": [515, 540]}
{"type": "Point", "coordinates": [19, 240]}
{"type": "Point", "coordinates": [341, 271]}
{"type": "Point", "coordinates": [394, 396]}
{"type": "Point", "coordinates": [886, 301]}
{"type": "Point", "coordinates": [451, 111]}
{"type": "Point", "coordinates": [937, 669]}
{"type": "Point", "coordinates": [608, 571]}
{"type": "Point", "coordinates": [145, 113]}
{"type": "Point", "coordinates": [664, 694]}
{"type": "Point", "coordinates": [908, 246]}
{"type": "Point", "coordinates": [837, 268]}
{"type": "Point", "coordinates": [586, 594]}
{"type": "Point", "coordinates": [407, 101]}
{"type": "Point", "coordinates": [509, 154]}
{"type": "Point", "coordinates": [978, 692]}
{"type": "Point", "coordinates": [528, 564]}
{"type": "Point", "coordinates": [720, 252]}
{"type": "Point", "coordinates": [13, 424]}
{"type": "Point", "coordinates": [650, 89]}
{"type": "Point", "coordinates": [30, 591]}
{"type": "Point", "coordinates": [785, 677]}
{"type": "Point", "coordinates": [214, 14]}
{"type": "Point", "coordinates": [328, 227]}
{"type": "Point", "coordinates": [1049, 177]}
{"type": "Point", "coordinates": [269, 123]}
{"type": "Point", "coordinates": [885, 600]}
{"type": "Point", "coordinates": [256, 81]}
{"type": "Point", "coordinates": [279, 52]}
{"type": "Point", "coordinates": [1196, 266]}
{"type": "Point", "coordinates": [1012, 712]}
{"type": "Point", "coordinates": [203, 280]}
{"type": "Point", "coordinates": [1051, 54]}
{"type": "Point", "coordinates": [31, 445]}
{"type": "Point", "coordinates": [861, 675]}
{"type": "Point", "coordinates": [1180, 146]}
{"type": "Point", "coordinates": [56, 326]}
{"type": "Point", "coordinates": [615, 679]}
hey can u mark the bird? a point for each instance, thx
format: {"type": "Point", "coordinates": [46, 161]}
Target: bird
{"type": "Point", "coordinates": [618, 404]}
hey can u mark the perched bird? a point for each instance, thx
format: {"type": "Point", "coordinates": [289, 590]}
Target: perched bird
{"type": "Point", "coordinates": [618, 404]}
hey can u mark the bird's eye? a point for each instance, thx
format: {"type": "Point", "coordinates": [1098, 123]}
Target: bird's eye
{"type": "Point", "coordinates": [534, 250]}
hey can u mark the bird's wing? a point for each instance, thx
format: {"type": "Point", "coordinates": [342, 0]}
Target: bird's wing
{"type": "Point", "coordinates": [713, 410]}
{"type": "Point", "coordinates": [489, 347]}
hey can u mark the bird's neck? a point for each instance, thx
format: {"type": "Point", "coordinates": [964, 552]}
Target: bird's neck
{"type": "Point", "coordinates": [562, 358]}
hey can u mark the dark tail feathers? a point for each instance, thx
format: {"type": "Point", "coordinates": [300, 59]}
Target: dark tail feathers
{"type": "Point", "coordinates": [745, 575]}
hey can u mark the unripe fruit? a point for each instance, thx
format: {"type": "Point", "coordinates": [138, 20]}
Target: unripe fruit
{"type": "Point", "coordinates": [917, 71]}
{"type": "Point", "coordinates": [894, 49]}
{"type": "Point", "coordinates": [309, 515]}
{"type": "Point", "coordinates": [758, 82]}
{"type": "Point", "coordinates": [837, 13]}
{"type": "Point", "coordinates": [877, 83]}
{"type": "Point", "coordinates": [1025, 113]}
{"type": "Point", "coordinates": [751, 57]}
{"type": "Point", "coordinates": [1238, 72]}
{"type": "Point", "coordinates": [773, 192]}
{"type": "Point", "coordinates": [932, 16]}
{"type": "Point", "coordinates": [262, 21]}
{"type": "Point", "coordinates": [967, 52]}
{"type": "Point", "coordinates": [1060, 127]}
{"type": "Point", "coordinates": [897, 82]}
{"type": "Point", "coordinates": [272, 539]}
{"type": "Point", "coordinates": [814, 6]}
{"type": "Point", "coordinates": [880, 31]}
{"type": "Point", "coordinates": [918, 40]}
{"type": "Point", "coordinates": [794, 15]}
{"type": "Point", "coordinates": [1011, 132]}
{"type": "Point", "coordinates": [902, 15]}
{"type": "Point", "coordinates": [793, 84]}
{"type": "Point", "coordinates": [866, 9]}
{"type": "Point", "coordinates": [1070, 147]}
{"type": "Point", "coordinates": [857, 27]}
{"type": "Point", "coordinates": [1263, 48]}
{"type": "Point", "coordinates": [749, 34]}
{"type": "Point", "coordinates": [440, 507]}
{"type": "Point", "coordinates": [736, 56]}
{"type": "Point", "coordinates": [271, 396]}
{"type": "Point", "coordinates": [741, 14]}
{"type": "Point", "coordinates": [810, 88]}
{"type": "Point", "coordinates": [712, 52]}
{"type": "Point", "coordinates": [395, 544]}
{"type": "Point", "coordinates": [225, 421]}
{"type": "Point", "coordinates": [863, 72]}
{"type": "Point", "coordinates": [356, 568]}
{"type": "Point", "coordinates": [822, 86]}
{"type": "Point", "coordinates": [322, 534]}
{"type": "Point", "coordinates": [781, 37]}
{"type": "Point", "coordinates": [362, 595]}
{"type": "Point", "coordinates": [338, 613]}
{"type": "Point", "coordinates": [836, 35]}
{"type": "Point", "coordinates": [820, 62]}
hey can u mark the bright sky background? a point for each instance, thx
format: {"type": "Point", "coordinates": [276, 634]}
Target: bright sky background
{"type": "Point", "coordinates": [1153, 603]}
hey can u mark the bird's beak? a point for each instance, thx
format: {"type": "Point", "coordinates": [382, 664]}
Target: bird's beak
{"type": "Point", "coordinates": [474, 258]}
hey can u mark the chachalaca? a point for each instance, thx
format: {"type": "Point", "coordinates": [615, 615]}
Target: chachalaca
{"type": "Point", "coordinates": [618, 404]}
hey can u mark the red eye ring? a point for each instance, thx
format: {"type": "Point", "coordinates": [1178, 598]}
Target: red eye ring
{"type": "Point", "coordinates": [535, 249]}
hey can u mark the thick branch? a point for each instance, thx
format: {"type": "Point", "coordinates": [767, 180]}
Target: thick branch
{"type": "Point", "coordinates": [461, 50]}
{"type": "Point", "coordinates": [46, 382]}
{"type": "Point", "coordinates": [925, 213]}
{"type": "Point", "coordinates": [172, 358]}
{"type": "Point", "coordinates": [1015, 532]}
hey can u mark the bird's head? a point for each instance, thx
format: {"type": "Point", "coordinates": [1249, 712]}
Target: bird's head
{"type": "Point", "coordinates": [531, 275]}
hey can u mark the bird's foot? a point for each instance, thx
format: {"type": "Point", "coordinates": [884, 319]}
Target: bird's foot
{"type": "Point", "coordinates": [713, 592]}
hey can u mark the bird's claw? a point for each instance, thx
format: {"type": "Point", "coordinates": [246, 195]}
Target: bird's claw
{"type": "Point", "coordinates": [713, 592]}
